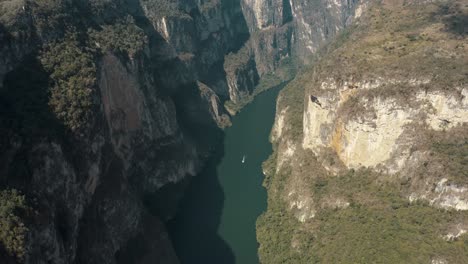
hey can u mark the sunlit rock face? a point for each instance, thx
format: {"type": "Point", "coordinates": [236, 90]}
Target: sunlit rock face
{"type": "Point", "coordinates": [448, 111]}
{"type": "Point", "coordinates": [371, 136]}
{"type": "Point", "coordinates": [382, 133]}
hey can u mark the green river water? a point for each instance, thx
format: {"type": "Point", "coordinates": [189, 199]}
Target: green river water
{"type": "Point", "coordinates": [216, 220]}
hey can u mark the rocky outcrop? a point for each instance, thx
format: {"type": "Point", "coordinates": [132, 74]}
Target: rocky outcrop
{"type": "Point", "coordinates": [214, 105]}
{"type": "Point", "coordinates": [370, 137]}
{"type": "Point", "coordinates": [241, 74]}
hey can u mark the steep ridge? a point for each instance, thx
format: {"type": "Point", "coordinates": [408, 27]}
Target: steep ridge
{"type": "Point", "coordinates": [370, 144]}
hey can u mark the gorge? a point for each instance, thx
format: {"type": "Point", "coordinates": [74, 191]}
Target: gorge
{"type": "Point", "coordinates": [227, 197]}
{"type": "Point", "coordinates": [118, 123]}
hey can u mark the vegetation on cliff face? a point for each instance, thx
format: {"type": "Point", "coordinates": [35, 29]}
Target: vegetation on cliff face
{"type": "Point", "coordinates": [165, 8]}
{"type": "Point", "coordinates": [378, 225]}
{"type": "Point", "coordinates": [73, 74]}
{"type": "Point", "coordinates": [363, 215]}
{"type": "Point", "coordinates": [13, 229]}
{"type": "Point", "coordinates": [393, 41]}
{"type": "Point", "coordinates": [286, 71]}
{"type": "Point", "coordinates": [238, 60]}
{"type": "Point", "coordinates": [123, 37]}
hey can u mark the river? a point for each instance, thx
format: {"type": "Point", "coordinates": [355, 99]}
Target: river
{"type": "Point", "coordinates": [216, 220]}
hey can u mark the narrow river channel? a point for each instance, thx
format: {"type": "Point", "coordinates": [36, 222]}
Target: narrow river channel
{"type": "Point", "coordinates": [216, 221]}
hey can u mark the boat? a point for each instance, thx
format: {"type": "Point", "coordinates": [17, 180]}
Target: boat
{"type": "Point", "coordinates": [243, 159]}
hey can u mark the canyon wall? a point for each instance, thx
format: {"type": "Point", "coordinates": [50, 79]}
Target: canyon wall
{"type": "Point", "coordinates": [104, 103]}
{"type": "Point", "coordinates": [376, 127]}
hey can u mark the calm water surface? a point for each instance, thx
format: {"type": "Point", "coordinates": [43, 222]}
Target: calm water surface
{"type": "Point", "coordinates": [216, 221]}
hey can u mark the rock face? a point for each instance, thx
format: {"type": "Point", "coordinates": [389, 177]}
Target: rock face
{"type": "Point", "coordinates": [155, 103]}
{"type": "Point", "coordinates": [381, 119]}
{"type": "Point", "coordinates": [367, 125]}
{"type": "Point", "coordinates": [282, 29]}
{"type": "Point", "coordinates": [370, 138]}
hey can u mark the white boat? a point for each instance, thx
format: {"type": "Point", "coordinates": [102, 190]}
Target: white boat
{"type": "Point", "coordinates": [243, 159]}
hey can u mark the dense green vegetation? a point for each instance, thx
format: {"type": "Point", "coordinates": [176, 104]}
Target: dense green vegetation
{"type": "Point", "coordinates": [379, 226]}
{"type": "Point", "coordinates": [293, 97]}
{"type": "Point", "coordinates": [275, 230]}
{"type": "Point", "coordinates": [123, 38]}
{"type": "Point", "coordinates": [165, 8]}
{"type": "Point", "coordinates": [415, 42]}
{"type": "Point", "coordinates": [73, 74]}
{"type": "Point", "coordinates": [12, 227]}
{"type": "Point", "coordinates": [450, 150]}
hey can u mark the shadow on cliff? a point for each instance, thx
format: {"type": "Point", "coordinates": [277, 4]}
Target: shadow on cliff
{"type": "Point", "coordinates": [194, 227]}
{"type": "Point", "coordinates": [194, 230]}
{"type": "Point", "coordinates": [25, 118]}
{"type": "Point", "coordinates": [454, 17]}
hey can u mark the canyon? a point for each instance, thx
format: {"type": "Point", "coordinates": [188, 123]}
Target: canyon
{"type": "Point", "coordinates": [108, 109]}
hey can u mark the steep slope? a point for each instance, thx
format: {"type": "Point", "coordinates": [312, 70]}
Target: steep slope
{"type": "Point", "coordinates": [99, 105]}
{"type": "Point", "coordinates": [370, 144]}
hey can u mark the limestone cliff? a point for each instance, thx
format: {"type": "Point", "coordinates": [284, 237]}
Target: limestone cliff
{"type": "Point", "coordinates": [376, 128]}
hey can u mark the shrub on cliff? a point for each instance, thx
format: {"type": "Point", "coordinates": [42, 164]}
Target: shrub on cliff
{"type": "Point", "coordinates": [124, 37]}
{"type": "Point", "coordinates": [165, 8]}
{"type": "Point", "coordinates": [73, 74]}
{"type": "Point", "coordinates": [12, 227]}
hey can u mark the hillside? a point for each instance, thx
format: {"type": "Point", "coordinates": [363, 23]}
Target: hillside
{"type": "Point", "coordinates": [370, 161]}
